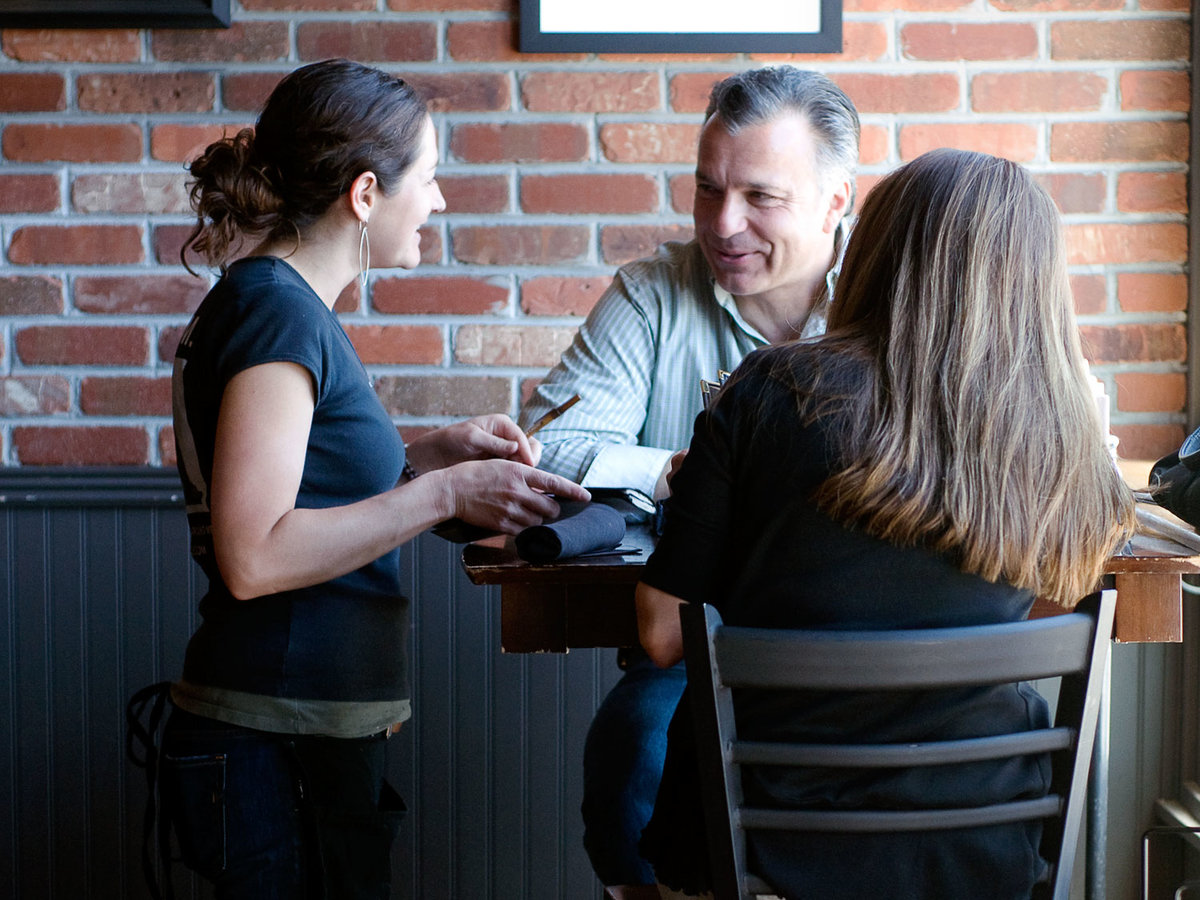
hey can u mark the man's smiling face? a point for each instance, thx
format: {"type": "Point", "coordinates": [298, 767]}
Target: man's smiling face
{"type": "Point", "coordinates": [765, 217]}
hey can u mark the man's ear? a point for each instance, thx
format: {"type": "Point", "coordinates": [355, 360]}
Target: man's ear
{"type": "Point", "coordinates": [364, 192]}
{"type": "Point", "coordinates": [839, 204]}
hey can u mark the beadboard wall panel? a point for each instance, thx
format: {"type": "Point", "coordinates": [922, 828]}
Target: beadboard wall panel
{"type": "Point", "coordinates": [98, 597]}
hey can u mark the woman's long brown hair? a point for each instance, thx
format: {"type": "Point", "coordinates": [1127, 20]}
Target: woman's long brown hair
{"type": "Point", "coordinates": [977, 434]}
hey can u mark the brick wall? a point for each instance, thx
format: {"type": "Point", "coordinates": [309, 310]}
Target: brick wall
{"type": "Point", "coordinates": [556, 170]}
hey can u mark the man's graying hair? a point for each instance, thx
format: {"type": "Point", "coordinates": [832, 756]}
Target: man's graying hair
{"type": "Point", "coordinates": [759, 95]}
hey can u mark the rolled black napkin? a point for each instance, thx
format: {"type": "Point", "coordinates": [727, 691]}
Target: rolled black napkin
{"type": "Point", "coordinates": [594, 527]}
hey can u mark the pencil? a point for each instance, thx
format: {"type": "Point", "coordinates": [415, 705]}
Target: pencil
{"type": "Point", "coordinates": [551, 416]}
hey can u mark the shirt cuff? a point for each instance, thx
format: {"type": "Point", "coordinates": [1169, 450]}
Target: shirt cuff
{"type": "Point", "coordinates": [629, 466]}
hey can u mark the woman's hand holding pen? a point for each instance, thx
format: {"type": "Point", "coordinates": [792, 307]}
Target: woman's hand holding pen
{"type": "Point", "coordinates": [486, 469]}
{"type": "Point", "coordinates": [483, 437]}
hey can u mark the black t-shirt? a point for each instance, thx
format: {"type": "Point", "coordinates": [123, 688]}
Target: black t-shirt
{"type": "Point", "coordinates": [344, 639]}
{"type": "Point", "coordinates": [744, 534]}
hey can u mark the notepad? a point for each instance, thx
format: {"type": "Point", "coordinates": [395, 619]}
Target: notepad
{"type": "Point", "coordinates": [708, 389]}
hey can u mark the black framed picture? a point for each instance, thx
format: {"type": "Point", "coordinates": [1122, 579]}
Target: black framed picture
{"type": "Point", "coordinates": [681, 26]}
{"type": "Point", "coordinates": [114, 13]}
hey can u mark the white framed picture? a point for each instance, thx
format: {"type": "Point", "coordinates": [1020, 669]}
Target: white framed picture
{"type": "Point", "coordinates": [681, 26]}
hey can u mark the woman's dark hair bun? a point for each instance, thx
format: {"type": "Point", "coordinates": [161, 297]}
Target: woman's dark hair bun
{"type": "Point", "coordinates": [323, 126]}
{"type": "Point", "coordinates": [231, 195]}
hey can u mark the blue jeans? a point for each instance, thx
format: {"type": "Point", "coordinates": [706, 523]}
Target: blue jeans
{"type": "Point", "coordinates": [272, 816]}
{"type": "Point", "coordinates": [622, 766]}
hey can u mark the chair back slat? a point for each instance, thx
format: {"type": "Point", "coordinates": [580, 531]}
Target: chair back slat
{"type": "Point", "coordinates": [1073, 646]}
{"type": "Point", "coordinates": [905, 660]}
{"type": "Point", "coordinates": [891, 821]}
{"type": "Point", "coordinates": [899, 756]}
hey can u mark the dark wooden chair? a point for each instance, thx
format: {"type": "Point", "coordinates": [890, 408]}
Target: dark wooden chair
{"type": "Point", "coordinates": [1074, 646]}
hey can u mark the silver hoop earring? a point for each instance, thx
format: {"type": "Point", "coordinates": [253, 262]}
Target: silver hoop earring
{"type": "Point", "coordinates": [364, 257]}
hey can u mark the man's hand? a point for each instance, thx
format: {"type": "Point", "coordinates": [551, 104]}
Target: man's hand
{"type": "Point", "coordinates": [673, 466]}
{"type": "Point", "coordinates": [662, 488]}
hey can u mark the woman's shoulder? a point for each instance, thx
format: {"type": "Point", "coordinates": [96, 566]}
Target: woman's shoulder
{"type": "Point", "coordinates": [807, 364]}
{"type": "Point", "coordinates": [263, 278]}
{"type": "Point", "coordinates": [261, 306]}
{"type": "Point", "coordinates": [258, 287]}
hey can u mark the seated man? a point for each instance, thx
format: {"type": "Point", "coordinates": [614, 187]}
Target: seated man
{"type": "Point", "coordinates": [774, 182]}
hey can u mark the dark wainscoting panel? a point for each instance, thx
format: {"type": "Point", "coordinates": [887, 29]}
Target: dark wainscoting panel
{"type": "Point", "coordinates": [97, 599]}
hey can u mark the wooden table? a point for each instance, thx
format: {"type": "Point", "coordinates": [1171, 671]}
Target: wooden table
{"type": "Point", "coordinates": [573, 603]}
{"type": "Point", "coordinates": [589, 602]}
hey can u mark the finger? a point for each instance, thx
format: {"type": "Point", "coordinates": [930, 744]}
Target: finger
{"type": "Point", "coordinates": [555, 484]}
{"type": "Point", "coordinates": [504, 426]}
{"type": "Point", "coordinates": [540, 507]}
{"type": "Point", "coordinates": [531, 509]}
{"type": "Point", "coordinates": [490, 445]}
{"type": "Point", "coordinates": [524, 448]}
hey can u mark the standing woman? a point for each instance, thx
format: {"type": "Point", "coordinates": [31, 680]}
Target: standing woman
{"type": "Point", "coordinates": [300, 492]}
{"type": "Point", "coordinates": [935, 460]}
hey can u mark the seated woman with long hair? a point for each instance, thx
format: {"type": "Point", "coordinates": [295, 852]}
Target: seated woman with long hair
{"type": "Point", "coordinates": [934, 460]}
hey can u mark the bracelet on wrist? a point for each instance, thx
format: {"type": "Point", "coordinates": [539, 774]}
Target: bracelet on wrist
{"type": "Point", "coordinates": [409, 473]}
